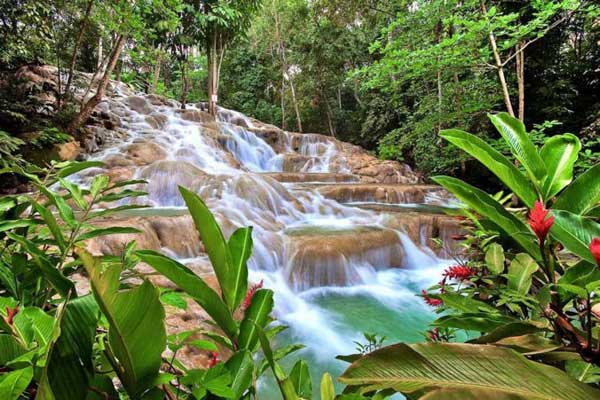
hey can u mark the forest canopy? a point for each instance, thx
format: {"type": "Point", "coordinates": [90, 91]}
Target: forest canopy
{"type": "Point", "coordinates": [385, 75]}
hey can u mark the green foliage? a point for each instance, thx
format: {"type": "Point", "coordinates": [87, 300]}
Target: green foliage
{"type": "Point", "coordinates": [56, 343]}
{"type": "Point", "coordinates": [517, 291]}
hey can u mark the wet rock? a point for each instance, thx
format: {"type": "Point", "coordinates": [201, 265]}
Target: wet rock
{"type": "Point", "coordinates": [67, 151]}
{"type": "Point", "coordinates": [178, 234]}
{"type": "Point", "coordinates": [138, 104]}
{"type": "Point", "coordinates": [380, 193]}
{"type": "Point", "coordinates": [157, 120]}
{"type": "Point", "coordinates": [115, 244]}
{"type": "Point", "coordinates": [145, 152]}
{"type": "Point", "coordinates": [327, 257]}
{"type": "Point", "coordinates": [195, 116]}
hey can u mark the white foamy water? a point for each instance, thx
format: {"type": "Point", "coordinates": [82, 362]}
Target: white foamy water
{"type": "Point", "coordinates": [226, 163]}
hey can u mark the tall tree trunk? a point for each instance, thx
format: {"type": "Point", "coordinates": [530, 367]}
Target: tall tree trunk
{"type": "Point", "coordinates": [89, 106]}
{"type": "Point", "coordinates": [283, 104]}
{"type": "Point", "coordinates": [285, 72]}
{"type": "Point", "coordinates": [100, 54]}
{"type": "Point", "coordinates": [184, 84]}
{"type": "Point", "coordinates": [212, 54]}
{"type": "Point", "coordinates": [78, 41]}
{"type": "Point", "coordinates": [499, 67]}
{"type": "Point", "coordinates": [520, 63]}
{"type": "Point", "coordinates": [156, 72]}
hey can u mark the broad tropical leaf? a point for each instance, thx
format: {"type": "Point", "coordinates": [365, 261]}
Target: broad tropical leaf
{"type": "Point", "coordinates": [489, 208]}
{"type": "Point", "coordinates": [582, 194]}
{"type": "Point", "coordinates": [241, 367]}
{"type": "Point", "coordinates": [70, 368]}
{"type": "Point", "coordinates": [300, 377]}
{"type": "Point", "coordinates": [520, 271]}
{"type": "Point", "coordinates": [575, 232]}
{"type": "Point", "coordinates": [14, 383]}
{"type": "Point", "coordinates": [453, 366]}
{"type": "Point", "coordinates": [495, 162]}
{"type": "Point", "coordinates": [559, 154]}
{"type": "Point", "coordinates": [494, 258]}
{"type": "Point", "coordinates": [514, 133]}
{"type": "Point", "coordinates": [136, 317]}
{"type": "Point", "coordinates": [257, 315]}
{"type": "Point", "coordinates": [214, 242]}
{"type": "Point", "coordinates": [240, 248]}
{"type": "Point", "coordinates": [194, 286]}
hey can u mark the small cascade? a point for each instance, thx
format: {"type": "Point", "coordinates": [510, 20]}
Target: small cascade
{"type": "Point", "coordinates": [331, 227]}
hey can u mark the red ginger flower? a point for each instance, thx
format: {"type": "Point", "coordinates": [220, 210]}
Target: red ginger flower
{"type": "Point", "coordinates": [459, 272]}
{"type": "Point", "coordinates": [434, 335]}
{"type": "Point", "coordinates": [250, 294]}
{"type": "Point", "coordinates": [538, 222]}
{"type": "Point", "coordinates": [10, 314]}
{"type": "Point", "coordinates": [430, 300]}
{"type": "Point", "coordinates": [595, 249]}
{"type": "Point", "coordinates": [213, 359]}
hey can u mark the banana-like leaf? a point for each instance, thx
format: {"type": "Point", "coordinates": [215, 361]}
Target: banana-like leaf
{"type": "Point", "coordinates": [559, 154]}
{"type": "Point", "coordinates": [582, 194]}
{"type": "Point", "coordinates": [257, 315]}
{"type": "Point", "coordinates": [516, 328]}
{"type": "Point", "coordinates": [214, 242]}
{"type": "Point", "coordinates": [495, 162]}
{"type": "Point", "coordinates": [70, 368]}
{"type": "Point", "coordinates": [520, 271]}
{"type": "Point", "coordinates": [494, 258]}
{"type": "Point", "coordinates": [480, 322]}
{"type": "Point", "coordinates": [514, 133]}
{"type": "Point", "coordinates": [194, 286]}
{"type": "Point", "coordinates": [14, 383]}
{"type": "Point", "coordinates": [575, 232]}
{"type": "Point", "coordinates": [136, 318]}
{"type": "Point", "coordinates": [488, 370]}
{"type": "Point", "coordinates": [10, 348]}
{"type": "Point", "coordinates": [240, 248]}
{"type": "Point", "coordinates": [488, 207]}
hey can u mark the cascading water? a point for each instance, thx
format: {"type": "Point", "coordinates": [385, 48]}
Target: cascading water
{"type": "Point", "coordinates": [336, 269]}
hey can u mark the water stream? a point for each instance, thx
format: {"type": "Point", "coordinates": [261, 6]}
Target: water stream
{"type": "Point", "coordinates": [338, 267]}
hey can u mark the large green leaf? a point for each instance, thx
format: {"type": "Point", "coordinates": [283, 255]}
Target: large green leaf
{"type": "Point", "coordinates": [516, 328]}
{"type": "Point", "coordinates": [495, 162]}
{"type": "Point", "coordinates": [70, 367]}
{"type": "Point", "coordinates": [257, 315]}
{"type": "Point", "coordinates": [489, 208]}
{"type": "Point", "coordinates": [582, 194]}
{"type": "Point", "coordinates": [575, 233]}
{"type": "Point", "coordinates": [10, 348]}
{"type": "Point", "coordinates": [241, 367]}
{"type": "Point", "coordinates": [489, 369]}
{"type": "Point", "coordinates": [520, 270]}
{"type": "Point", "coordinates": [514, 133]}
{"type": "Point", "coordinates": [559, 154]}
{"type": "Point", "coordinates": [194, 286]}
{"type": "Point", "coordinates": [466, 304]}
{"type": "Point", "coordinates": [494, 258]}
{"type": "Point", "coordinates": [214, 243]}
{"type": "Point", "coordinates": [14, 383]}
{"type": "Point", "coordinates": [136, 318]}
{"type": "Point", "coordinates": [300, 377]}
{"type": "Point", "coordinates": [479, 322]}
{"type": "Point", "coordinates": [52, 224]}
{"type": "Point", "coordinates": [240, 248]}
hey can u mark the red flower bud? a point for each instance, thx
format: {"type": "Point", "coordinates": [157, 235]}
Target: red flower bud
{"type": "Point", "coordinates": [459, 272]}
{"type": "Point", "coordinates": [595, 249]}
{"type": "Point", "coordinates": [213, 359]}
{"type": "Point", "coordinates": [434, 335]}
{"type": "Point", "coordinates": [250, 294]}
{"type": "Point", "coordinates": [10, 314]}
{"type": "Point", "coordinates": [538, 222]}
{"type": "Point", "coordinates": [430, 300]}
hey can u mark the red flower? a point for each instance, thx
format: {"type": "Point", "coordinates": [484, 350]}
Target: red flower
{"type": "Point", "coordinates": [595, 249]}
{"type": "Point", "coordinates": [434, 335]}
{"type": "Point", "coordinates": [10, 314]}
{"type": "Point", "coordinates": [538, 221]}
{"type": "Point", "coordinates": [213, 359]}
{"type": "Point", "coordinates": [250, 294]}
{"type": "Point", "coordinates": [459, 272]}
{"type": "Point", "coordinates": [430, 300]}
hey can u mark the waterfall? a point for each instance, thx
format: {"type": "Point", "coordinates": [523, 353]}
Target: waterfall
{"type": "Point", "coordinates": [337, 267]}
